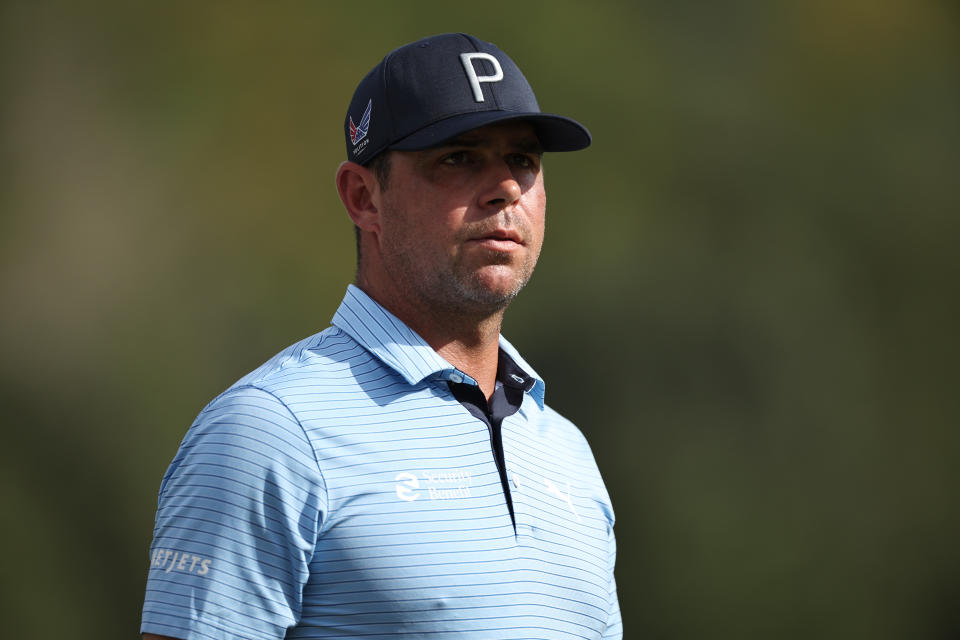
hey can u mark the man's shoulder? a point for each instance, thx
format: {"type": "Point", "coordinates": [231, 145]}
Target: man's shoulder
{"type": "Point", "coordinates": [564, 427]}
{"type": "Point", "coordinates": [325, 356]}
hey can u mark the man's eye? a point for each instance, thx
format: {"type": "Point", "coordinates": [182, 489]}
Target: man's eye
{"type": "Point", "coordinates": [457, 157]}
{"type": "Point", "coordinates": [522, 160]}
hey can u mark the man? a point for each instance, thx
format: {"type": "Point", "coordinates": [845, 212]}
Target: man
{"type": "Point", "coordinates": [398, 475]}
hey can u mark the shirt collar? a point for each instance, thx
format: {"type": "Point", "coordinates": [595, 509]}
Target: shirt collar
{"type": "Point", "coordinates": [403, 350]}
{"type": "Point", "coordinates": [538, 388]}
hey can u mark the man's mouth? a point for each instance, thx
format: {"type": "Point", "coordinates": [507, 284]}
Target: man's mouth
{"type": "Point", "coordinates": [499, 240]}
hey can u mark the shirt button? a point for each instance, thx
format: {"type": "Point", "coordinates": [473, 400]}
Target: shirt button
{"type": "Point", "coordinates": [456, 378]}
{"type": "Point", "coordinates": [516, 485]}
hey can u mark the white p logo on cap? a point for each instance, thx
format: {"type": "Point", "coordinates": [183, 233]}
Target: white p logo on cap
{"type": "Point", "coordinates": [475, 80]}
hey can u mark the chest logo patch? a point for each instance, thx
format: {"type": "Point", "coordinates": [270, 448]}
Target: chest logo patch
{"type": "Point", "coordinates": [555, 490]}
{"type": "Point", "coordinates": [447, 484]}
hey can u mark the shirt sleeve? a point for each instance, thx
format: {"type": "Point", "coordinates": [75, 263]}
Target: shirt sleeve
{"type": "Point", "coordinates": [238, 516]}
{"type": "Point", "coordinates": [614, 630]}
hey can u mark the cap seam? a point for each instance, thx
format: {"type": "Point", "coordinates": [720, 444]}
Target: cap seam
{"type": "Point", "coordinates": [386, 97]}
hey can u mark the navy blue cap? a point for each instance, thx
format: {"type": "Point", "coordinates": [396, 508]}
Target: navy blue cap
{"type": "Point", "coordinates": [434, 89]}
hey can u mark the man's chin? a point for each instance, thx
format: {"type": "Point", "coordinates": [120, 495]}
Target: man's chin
{"type": "Point", "coordinates": [492, 291]}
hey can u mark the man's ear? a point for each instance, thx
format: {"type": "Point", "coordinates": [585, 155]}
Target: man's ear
{"type": "Point", "coordinates": [359, 192]}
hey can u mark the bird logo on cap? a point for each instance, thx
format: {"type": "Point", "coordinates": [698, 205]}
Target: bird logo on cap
{"type": "Point", "coordinates": [358, 133]}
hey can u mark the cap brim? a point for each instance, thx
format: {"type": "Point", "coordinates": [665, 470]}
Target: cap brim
{"type": "Point", "coordinates": [556, 133]}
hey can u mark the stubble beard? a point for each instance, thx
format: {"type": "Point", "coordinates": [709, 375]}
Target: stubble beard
{"type": "Point", "coordinates": [461, 289]}
{"type": "Point", "coordinates": [456, 288]}
{"type": "Point", "coordinates": [475, 294]}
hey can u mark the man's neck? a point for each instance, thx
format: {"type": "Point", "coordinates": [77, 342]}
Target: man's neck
{"type": "Point", "coordinates": [468, 341]}
{"type": "Point", "coordinates": [477, 355]}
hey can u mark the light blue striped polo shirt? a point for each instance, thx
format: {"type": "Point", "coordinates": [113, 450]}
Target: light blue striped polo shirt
{"type": "Point", "coordinates": [341, 491]}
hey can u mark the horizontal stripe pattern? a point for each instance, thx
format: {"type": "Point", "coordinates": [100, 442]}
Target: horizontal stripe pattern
{"type": "Point", "coordinates": [341, 491]}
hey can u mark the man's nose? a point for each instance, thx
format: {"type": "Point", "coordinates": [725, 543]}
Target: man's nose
{"type": "Point", "coordinates": [503, 189]}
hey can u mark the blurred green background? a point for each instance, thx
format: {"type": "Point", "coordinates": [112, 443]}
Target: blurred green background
{"type": "Point", "coordinates": [748, 299]}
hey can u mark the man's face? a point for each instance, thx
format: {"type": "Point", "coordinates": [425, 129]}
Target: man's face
{"type": "Point", "coordinates": [462, 224]}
